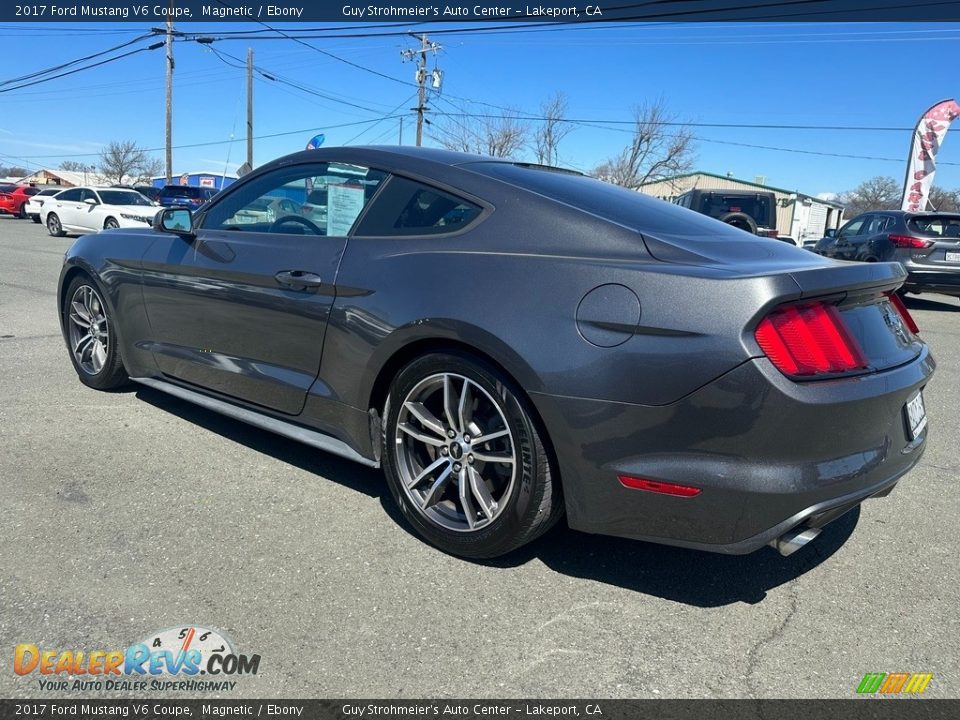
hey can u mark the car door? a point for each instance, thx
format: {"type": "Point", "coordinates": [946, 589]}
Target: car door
{"type": "Point", "coordinates": [67, 207]}
{"type": "Point", "coordinates": [90, 215]}
{"type": "Point", "coordinates": [241, 308]}
{"type": "Point", "coordinates": [844, 247]}
{"type": "Point", "coordinates": [862, 245]}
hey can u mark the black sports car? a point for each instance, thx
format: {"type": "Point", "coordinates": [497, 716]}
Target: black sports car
{"type": "Point", "coordinates": [511, 342]}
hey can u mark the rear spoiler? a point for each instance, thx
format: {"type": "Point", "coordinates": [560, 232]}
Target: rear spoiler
{"type": "Point", "coordinates": [847, 277]}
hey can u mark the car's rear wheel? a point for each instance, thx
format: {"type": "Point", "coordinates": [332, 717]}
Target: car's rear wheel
{"type": "Point", "coordinates": [464, 459]}
{"type": "Point", "coordinates": [35, 218]}
{"type": "Point", "coordinates": [91, 336]}
{"type": "Point", "coordinates": [110, 224]}
{"type": "Point", "coordinates": [53, 225]}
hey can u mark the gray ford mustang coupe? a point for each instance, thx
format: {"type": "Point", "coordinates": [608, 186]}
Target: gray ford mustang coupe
{"type": "Point", "coordinates": [514, 342]}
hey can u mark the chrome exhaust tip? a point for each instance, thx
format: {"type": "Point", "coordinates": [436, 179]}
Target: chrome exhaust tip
{"type": "Point", "coordinates": [793, 540]}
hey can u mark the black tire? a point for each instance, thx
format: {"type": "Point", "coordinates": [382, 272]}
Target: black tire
{"type": "Point", "coordinates": [110, 224]}
{"type": "Point", "coordinates": [532, 504]}
{"type": "Point", "coordinates": [741, 221]}
{"type": "Point", "coordinates": [35, 218]}
{"type": "Point", "coordinates": [112, 374]}
{"type": "Point", "coordinates": [23, 212]}
{"type": "Point", "coordinates": [53, 225]}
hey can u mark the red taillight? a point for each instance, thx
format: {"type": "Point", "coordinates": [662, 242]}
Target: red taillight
{"type": "Point", "coordinates": [908, 241]}
{"type": "Point", "coordinates": [803, 340]}
{"type": "Point", "coordinates": [897, 302]}
{"type": "Point", "coordinates": [664, 488]}
{"type": "Point", "coordinates": [773, 233]}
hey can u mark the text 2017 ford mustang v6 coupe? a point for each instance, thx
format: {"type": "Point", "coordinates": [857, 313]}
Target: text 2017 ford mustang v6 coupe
{"type": "Point", "coordinates": [511, 342]}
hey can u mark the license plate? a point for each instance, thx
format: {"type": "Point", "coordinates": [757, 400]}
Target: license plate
{"type": "Point", "coordinates": [916, 416]}
{"type": "Point", "coordinates": [952, 256]}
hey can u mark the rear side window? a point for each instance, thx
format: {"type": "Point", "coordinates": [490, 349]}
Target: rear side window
{"type": "Point", "coordinates": [945, 226]}
{"type": "Point", "coordinates": [407, 207]}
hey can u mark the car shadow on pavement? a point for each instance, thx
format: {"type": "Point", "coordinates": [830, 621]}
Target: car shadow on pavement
{"type": "Point", "coordinates": [690, 577]}
{"type": "Point", "coordinates": [685, 576]}
{"type": "Point", "coordinates": [349, 474]}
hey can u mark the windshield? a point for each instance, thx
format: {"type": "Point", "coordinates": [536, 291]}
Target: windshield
{"type": "Point", "coordinates": [123, 197]}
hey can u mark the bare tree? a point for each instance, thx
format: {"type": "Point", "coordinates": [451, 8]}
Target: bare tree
{"type": "Point", "coordinates": [124, 161]}
{"type": "Point", "coordinates": [13, 171]}
{"type": "Point", "coordinates": [552, 130]}
{"type": "Point", "coordinates": [944, 200]}
{"type": "Point", "coordinates": [497, 136]}
{"type": "Point", "coordinates": [658, 149]}
{"type": "Point", "coordinates": [74, 166]}
{"type": "Point", "coordinates": [877, 193]}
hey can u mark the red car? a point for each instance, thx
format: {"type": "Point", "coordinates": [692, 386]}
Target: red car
{"type": "Point", "coordinates": [13, 199]}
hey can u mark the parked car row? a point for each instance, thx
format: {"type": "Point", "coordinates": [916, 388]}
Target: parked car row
{"type": "Point", "coordinates": [90, 209]}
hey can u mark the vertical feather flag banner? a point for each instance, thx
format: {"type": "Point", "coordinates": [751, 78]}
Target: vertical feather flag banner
{"type": "Point", "coordinates": [922, 163]}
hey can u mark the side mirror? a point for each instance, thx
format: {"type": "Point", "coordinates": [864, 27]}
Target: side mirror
{"type": "Point", "coordinates": [91, 201]}
{"type": "Point", "coordinates": [830, 233]}
{"type": "Point", "coordinates": [178, 221]}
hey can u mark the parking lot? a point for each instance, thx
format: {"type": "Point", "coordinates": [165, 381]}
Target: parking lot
{"type": "Point", "coordinates": [126, 513]}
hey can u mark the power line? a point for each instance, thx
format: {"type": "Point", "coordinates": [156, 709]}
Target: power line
{"type": "Point", "coordinates": [737, 126]}
{"type": "Point", "coordinates": [225, 142]}
{"type": "Point", "coordinates": [61, 66]}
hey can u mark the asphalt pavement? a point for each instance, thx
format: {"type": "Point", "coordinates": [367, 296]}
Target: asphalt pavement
{"type": "Point", "coordinates": [129, 512]}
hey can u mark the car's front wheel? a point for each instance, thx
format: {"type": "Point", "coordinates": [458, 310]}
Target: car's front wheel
{"type": "Point", "coordinates": [53, 225]}
{"type": "Point", "coordinates": [110, 224]}
{"type": "Point", "coordinates": [464, 459]}
{"type": "Point", "coordinates": [91, 336]}
{"type": "Point", "coordinates": [23, 212]}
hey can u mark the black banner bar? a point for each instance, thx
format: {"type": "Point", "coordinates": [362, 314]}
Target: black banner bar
{"type": "Point", "coordinates": [497, 11]}
{"type": "Point", "coordinates": [854, 709]}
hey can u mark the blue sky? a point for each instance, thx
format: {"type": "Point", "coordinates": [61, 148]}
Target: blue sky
{"type": "Point", "coordinates": [760, 73]}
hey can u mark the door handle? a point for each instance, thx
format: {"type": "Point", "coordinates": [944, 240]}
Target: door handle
{"type": "Point", "coordinates": [298, 278]}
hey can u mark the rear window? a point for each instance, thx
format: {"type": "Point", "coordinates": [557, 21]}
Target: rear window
{"type": "Point", "coordinates": [629, 208]}
{"type": "Point", "coordinates": [757, 207]}
{"type": "Point", "coordinates": [935, 226]}
{"type": "Point", "coordinates": [7, 188]}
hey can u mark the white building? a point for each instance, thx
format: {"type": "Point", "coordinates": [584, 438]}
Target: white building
{"type": "Point", "coordinates": [799, 216]}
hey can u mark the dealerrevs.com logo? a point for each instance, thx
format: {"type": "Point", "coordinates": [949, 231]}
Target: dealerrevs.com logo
{"type": "Point", "coordinates": [182, 653]}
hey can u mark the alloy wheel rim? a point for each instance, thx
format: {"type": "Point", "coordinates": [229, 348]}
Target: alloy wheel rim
{"type": "Point", "coordinates": [53, 224]}
{"type": "Point", "coordinates": [455, 453]}
{"type": "Point", "coordinates": [89, 331]}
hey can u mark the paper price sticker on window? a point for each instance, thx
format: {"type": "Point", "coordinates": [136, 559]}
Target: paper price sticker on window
{"type": "Point", "coordinates": [344, 203]}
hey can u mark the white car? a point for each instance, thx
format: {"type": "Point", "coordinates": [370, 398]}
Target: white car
{"type": "Point", "coordinates": [35, 203]}
{"type": "Point", "coordinates": [89, 209]}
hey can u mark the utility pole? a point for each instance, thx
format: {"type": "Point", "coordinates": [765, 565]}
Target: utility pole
{"type": "Point", "coordinates": [425, 47]}
{"type": "Point", "coordinates": [400, 142]}
{"type": "Point", "coordinates": [250, 107]}
{"type": "Point", "coordinates": [169, 127]}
